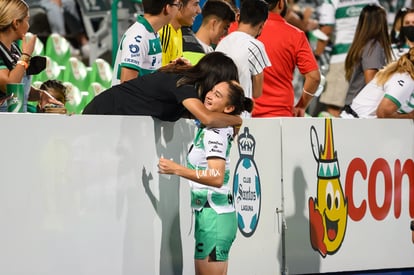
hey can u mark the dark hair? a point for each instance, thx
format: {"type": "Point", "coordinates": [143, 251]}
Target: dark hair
{"type": "Point", "coordinates": [57, 87]}
{"type": "Point", "coordinates": [253, 12]}
{"type": "Point", "coordinates": [372, 27]}
{"type": "Point", "coordinates": [402, 37]}
{"type": "Point", "coordinates": [212, 68]}
{"type": "Point", "coordinates": [272, 4]}
{"type": "Point", "coordinates": [395, 38]}
{"type": "Point", "coordinates": [218, 8]}
{"type": "Point", "coordinates": [237, 98]}
{"type": "Point", "coordinates": [154, 7]}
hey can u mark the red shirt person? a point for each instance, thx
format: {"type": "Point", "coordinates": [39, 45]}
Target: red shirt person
{"type": "Point", "coordinates": [286, 50]}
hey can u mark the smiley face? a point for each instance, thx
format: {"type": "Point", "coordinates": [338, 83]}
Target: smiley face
{"type": "Point", "coordinates": [333, 208]}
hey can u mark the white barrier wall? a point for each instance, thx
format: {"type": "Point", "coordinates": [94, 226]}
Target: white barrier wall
{"type": "Point", "coordinates": [380, 198]}
{"type": "Point", "coordinates": [81, 195]}
{"type": "Point", "coordinates": [255, 250]}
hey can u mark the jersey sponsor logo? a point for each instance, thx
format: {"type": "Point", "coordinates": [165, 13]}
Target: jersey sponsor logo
{"type": "Point", "coordinates": [349, 12]}
{"type": "Point", "coordinates": [215, 142]}
{"type": "Point", "coordinates": [138, 38]}
{"type": "Point", "coordinates": [217, 145]}
{"type": "Point", "coordinates": [133, 48]}
{"type": "Point", "coordinates": [199, 247]}
{"type": "Point", "coordinates": [215, 149]}
{"type": "Point", "coordinates": [131, 61]}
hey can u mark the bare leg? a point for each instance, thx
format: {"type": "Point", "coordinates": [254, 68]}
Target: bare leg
{"type": "Point", "coordinates": [210, 267]}
{"type": "Point", "coordinates": [333, 110]}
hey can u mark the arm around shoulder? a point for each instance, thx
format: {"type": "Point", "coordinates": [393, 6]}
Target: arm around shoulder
{"type": "Point", "coordinates": [128, 74]}
{"type": "Point", "coordinates": [208, 118]}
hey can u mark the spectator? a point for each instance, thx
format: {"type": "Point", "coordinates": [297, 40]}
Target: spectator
{"type": "Point", "coordinates": [52, 89]}
{"type": "Point", "coordinates": [250, 54]}
{"type": "Point", "coordinates": [370, 50]}
{"type": "Point", "coordinates": [301, 17]}
{"type": "Point", "coordinates": [65, 19]}
{"type": "Point", "coordinates": [217, 16]}
{"type": "Point", "coordinates": [139, 51]}
{"type": "Point", "coordinates": [171, 35]}
{"type": "Point", "coordinates": [288, 50]}
{"type": "Point", "coordinates": [198, 20]}
{"type": "Point", "coordinates": [169, 92]}
{"type": "Point", "coordinates": [207, 167]}
{"type": "Point", "coordinates": [406, 38]}
{"type": "Point", "coordinates": [14, 63]}
{"type": "Point", "coordinates": [338, 20]}
{"type": "Point", "coordinates": [396, 26]}
{"type": "Point", "coordinates": [389, 95]}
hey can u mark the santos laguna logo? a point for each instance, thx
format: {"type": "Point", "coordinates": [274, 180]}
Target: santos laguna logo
{"type": "Point", "coordinates": [246, 186]}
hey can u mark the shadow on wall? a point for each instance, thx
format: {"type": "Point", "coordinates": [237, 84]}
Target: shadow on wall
{"type": "Point", "coordinates": [300, 255]}
{"type": "Point", "coordinates": [172, 140]}
{"type": "Point", "coordinates": [137, 173]}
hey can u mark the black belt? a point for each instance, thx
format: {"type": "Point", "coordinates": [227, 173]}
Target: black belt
{"type": "Point", "coordinates": [348, 109]}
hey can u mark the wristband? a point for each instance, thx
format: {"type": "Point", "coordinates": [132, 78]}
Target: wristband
{"type": "Point", "coordinates": [306, 92]}
{"type": "Point", "coordinates": [25, 57]}
{"type": "Point", "coordinates": [23, 63]}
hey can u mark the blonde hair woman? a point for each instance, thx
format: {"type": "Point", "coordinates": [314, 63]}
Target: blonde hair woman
{"type": "Point", "coordinates": [14, 61]}
{"type": "Point", "coordinates": [389, 95]}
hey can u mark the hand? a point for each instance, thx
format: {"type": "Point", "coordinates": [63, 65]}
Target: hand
{"type": "Point", "coordinates": [307, 12]}
{"type": "Point", "coordinates": [181, 61]}
{"type": "Point", "coordinates": [3, 99]}
{"type": "Point", "coordinates": [411, 114]}
{"type": "Point", "coordinates": [312, 24]}
{"type": "Point", "coordinates": [28, 44]}
{"type": "Point", "coordinates": [166, 166]}
{"type": "Point", "coordinates": [298, 112]}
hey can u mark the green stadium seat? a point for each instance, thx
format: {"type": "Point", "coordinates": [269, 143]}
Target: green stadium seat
{"type": "Point", "coordinates": [96, 88]}
{"type": "Point", "coordinates": [101, 72]}
{"type": "Point", "coordinates": [73, 103]}
{"type": "Point", "coordinates": [58, 48]}
{"type": "Point", "coordinates": [77, 73]}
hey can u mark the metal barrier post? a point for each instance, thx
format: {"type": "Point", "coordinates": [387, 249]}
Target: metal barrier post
{"type": "Point", "coordinates": [114, 10]}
